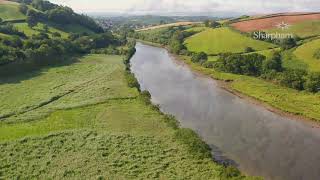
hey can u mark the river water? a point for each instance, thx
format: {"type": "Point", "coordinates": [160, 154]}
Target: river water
{"type": "Point", "coordinates": [257, 141]}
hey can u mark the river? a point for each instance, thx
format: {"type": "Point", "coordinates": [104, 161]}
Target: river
{"type": "Point", "coordinates": [257, 141]}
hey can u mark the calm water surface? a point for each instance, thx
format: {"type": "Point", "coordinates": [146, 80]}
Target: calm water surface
{"type": "Point", "coordinates": [256, 140]}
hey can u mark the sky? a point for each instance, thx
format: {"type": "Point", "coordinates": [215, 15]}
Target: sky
{"type": "Point", "coordinates": [191, 7]}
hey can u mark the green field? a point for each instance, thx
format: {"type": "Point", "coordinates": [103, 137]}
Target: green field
{"type": "Point", "coordinates": [81, 121]}
{"type": "Point", "coordinates": [286, 99]}
{"type": "Point", "coordinates": [10, 11]}
{"type": "Point", "coordinates": [23, 27]}
{"type": "Point", "coordinates": [222, 40]}
{"type": "Point", "coordinates": [305, 53]}
{"type": "Point", "coordinates": [303, 30]}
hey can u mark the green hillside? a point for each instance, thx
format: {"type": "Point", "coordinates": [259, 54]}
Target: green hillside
{"type": "Point", "coordinates": [10, 11]}
{"type": "Point", "coordinates": [306, 53]}
{"type": "Point", "coordinates": [82, 121]}
{"type": "Point", "coordinates": [303, 30]}
{"type": "Point", "coordinates": [222, 40]}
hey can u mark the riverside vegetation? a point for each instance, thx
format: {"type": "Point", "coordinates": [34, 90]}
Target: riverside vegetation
{"type": "Point", "coordinates": [71, 108]}
{"type": "Point", "coordinates": [282, 73]}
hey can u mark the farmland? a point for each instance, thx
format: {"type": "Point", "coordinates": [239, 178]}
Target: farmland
{"type": "Point", "coordinates": [169, 25]}
{"type": "Point", "coordinates": [10, 11]}
{"type": "Point", "coordinates": [222, 40]}
{"type": "Point", "coordinates": [266, 23]}
{"type": "Point", "coordinates": [305, 53]}
{"type": "Point", "coordinates": [84, 112]}
{"type": "Point", "coordinates": [303, 29]}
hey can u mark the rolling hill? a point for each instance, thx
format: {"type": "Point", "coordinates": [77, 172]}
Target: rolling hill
{"type": "Point", "coordinates": [305, 53]}
{"type": "Point", "coordinates": [271, 21]}
{"type": "Point", "coordinates": [223, 40]}
{"type": "Point", "coordinates": [10, 11]}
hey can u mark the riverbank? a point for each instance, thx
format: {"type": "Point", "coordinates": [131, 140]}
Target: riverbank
{"type": "Point", "coordinates": [98, 127]}
{"type": "Point", "coordinates": [284, 101]}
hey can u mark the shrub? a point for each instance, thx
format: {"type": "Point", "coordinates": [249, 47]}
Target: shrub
{"type": "Point", "coordinates": [274, 63]}
{"type": "Point", "coordinates": [199, 57]}
{"type": "Point", "coordinates": [248, 50]}
{"type": "Point", "coordinates": [208, 64]}
{"type": "Point", "coordinates": [312, 83]}
{"type": "Point", "coordinates": [250, 64]}
{"type": "Point", "coordinates": [195, 145]}
{"type": "Point", "coordinates": [132, 81]}
{"type": "Point", "coordinates": [293, 78]}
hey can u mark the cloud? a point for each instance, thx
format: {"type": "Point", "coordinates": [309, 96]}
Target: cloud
{"type": "Point", "coordinates": [193, 6]}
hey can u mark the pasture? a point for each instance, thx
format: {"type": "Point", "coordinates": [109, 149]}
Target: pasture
{"type": "Point", "coordinates": [306, 52]}
{"type": "Point", "coordinates": [304, 29]}
{"type": "Point", "coordinates": [223, 40]}
{"type": "Point", "coordinates": [10, 11]}
{"type": "Point", "coordinates": [81, 121]}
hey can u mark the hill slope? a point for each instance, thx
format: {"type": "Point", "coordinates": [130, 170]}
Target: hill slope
{"type": "Point", "coordinates": [223, 40]}
{"type": "Point", "coordinates": [270, 22]}
{"type": "Point", "coordinates": [10, 11]}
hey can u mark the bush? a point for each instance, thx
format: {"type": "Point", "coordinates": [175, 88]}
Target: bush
{"type": "Point", "coordinates": [317, 54]}
{"type": "Point", "coordinates": [250, 64]}
{"type": "Point", "coordinates": [132, 81]}
{"type": "Point", "coordinates": [195, 145]}
{"type": "Point", "coordinates": [274, 63]}
{"type": "Point", "coordinates": [208, 64]}
{"type": "Point", "coordinates": [312, 83]}
{"type": "Point", "coordinates": [293, 78]}
{"type": "Point", "coordinates": [287, 43]}
{"type": "Point", "coordinates": [248, 50]}
{"type": "Point", "coordinates": [199, 57]}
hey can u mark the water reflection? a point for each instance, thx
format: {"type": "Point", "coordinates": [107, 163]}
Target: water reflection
{"type": "Point", "coordinates": [260, 142]}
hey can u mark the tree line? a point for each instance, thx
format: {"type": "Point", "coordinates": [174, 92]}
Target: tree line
{"type": "Point", "coordinates": [44, 11]}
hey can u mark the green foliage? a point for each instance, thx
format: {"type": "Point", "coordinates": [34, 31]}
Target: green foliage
{"type": "Point", "coordinates": [312, 83]}
{"type": "Point", "coordinates": [287, 43]}
{"type": "Point", "coordinates": [11, 30]}
{"type": "Point", "coordinates": [195, 145]}
{"type": "Point", "coordinates": [199, 57]}
{"type": "Point", "coordinates": [250, 64]}
{"type": "Point", "coordinates": [23, 8]}
{"type": "Point", "coordinates": [211, 23]}
{"type": "Point", "coordinates": [293, 78]}
{"type": "Point", "coordinates": [274, 63]}
{"type": "Point", "coordinates": [248, 49]}
{"type": "Point", "coordinates": [132, 81]}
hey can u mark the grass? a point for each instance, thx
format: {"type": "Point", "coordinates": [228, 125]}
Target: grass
{"type": "Point", "coordinates": [10, 11]}
{"type": "Point", "coordinates": [223, 40]}
{"type": "Point", "coordinates": [303, 30]}
{"type": "Point", "coordinates": [23, 27]}
{"type": "Point", "coordinates": [286, 99]}
{"type": "Point", "coordinates": [305, 53]}
{"type": "Point", "coordinates": [91, 80]}
{"type": "Point", "coordinates": [100, 129]}
{"type": "Point", "coordinates": [169, 25]}
{"type": "Point", "coordinates": [197, 29]}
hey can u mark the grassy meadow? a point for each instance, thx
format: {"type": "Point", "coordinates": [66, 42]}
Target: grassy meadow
{"type": "Point", "coordinates": [223, 40]}
{"type": "Point", "coordinates": [82, 121]}
{"type": "Point", "coordinates": [305, 53]}
{"type": "Point", "coordinates": [10, 11]}
{"type": "Point", "coordinates": [304, 29]}
{"type": "Point", "coordinates": [23, 27]}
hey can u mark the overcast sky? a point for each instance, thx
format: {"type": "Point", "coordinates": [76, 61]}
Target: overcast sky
{"type": "Point", "coordinates": [191, 7]}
